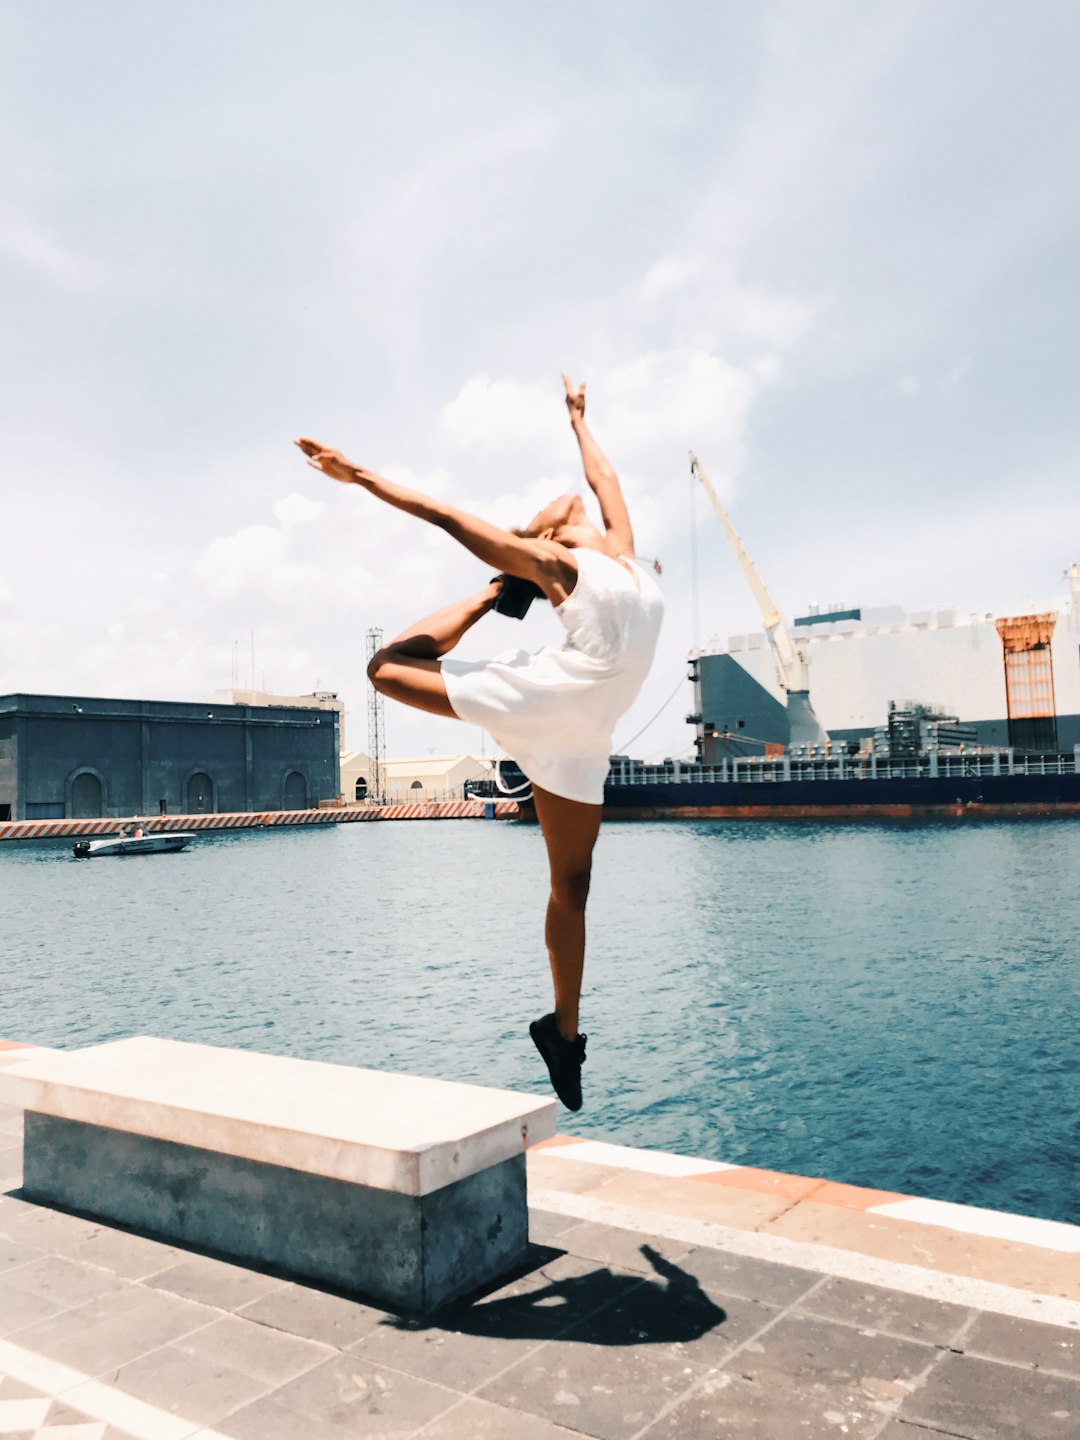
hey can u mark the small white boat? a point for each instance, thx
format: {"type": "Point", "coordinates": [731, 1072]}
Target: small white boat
{"type": "Point", "coordinates": [132, 841]}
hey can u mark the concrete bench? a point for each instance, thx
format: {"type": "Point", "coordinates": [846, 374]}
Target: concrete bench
{"type": "Point", "coordinates": [407, 1190]}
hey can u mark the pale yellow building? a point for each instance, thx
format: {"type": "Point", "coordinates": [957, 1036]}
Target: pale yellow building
{"type": "Point", "coordinates": [424, 777]}
{"type": "Point", "coordinates": [317, 700]}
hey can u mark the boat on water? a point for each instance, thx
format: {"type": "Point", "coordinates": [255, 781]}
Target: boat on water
{"type": "Point", "coordinates": [133, 840]}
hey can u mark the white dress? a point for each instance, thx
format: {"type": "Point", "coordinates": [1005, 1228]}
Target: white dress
{"type": "Point", "coordinates": [553, 711]}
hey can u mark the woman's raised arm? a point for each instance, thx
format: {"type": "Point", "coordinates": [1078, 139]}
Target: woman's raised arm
{"type": "Point", "coordinates": [545, 562]}
{"type": "Point", "coordinates": [600, 474]}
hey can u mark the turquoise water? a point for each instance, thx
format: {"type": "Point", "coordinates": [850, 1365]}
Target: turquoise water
{"type": "Point", "coordinates": [894, 1006]}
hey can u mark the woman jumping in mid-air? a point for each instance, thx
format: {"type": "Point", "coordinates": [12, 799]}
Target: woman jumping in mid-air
{"type": "Point", "coordinates": [553, 712]}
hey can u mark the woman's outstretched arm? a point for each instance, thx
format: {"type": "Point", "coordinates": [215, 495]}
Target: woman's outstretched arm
{"type": "Point", "coordinates": [545, 562]}
{"type": "Point", "coordinates": [600, 474]}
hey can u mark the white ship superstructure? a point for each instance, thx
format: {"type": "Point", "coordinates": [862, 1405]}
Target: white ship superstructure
{"type": "Point", "coordinates": [860, 660]}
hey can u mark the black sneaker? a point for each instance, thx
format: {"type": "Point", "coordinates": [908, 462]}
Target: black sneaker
{"type": "Point", "coordinates": [563, 1058]}
{"type": "Point", "coordinates": [516, 596]}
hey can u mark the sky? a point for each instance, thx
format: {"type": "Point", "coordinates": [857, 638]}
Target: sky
{"type": "Point", "coordinates": [830, 247]}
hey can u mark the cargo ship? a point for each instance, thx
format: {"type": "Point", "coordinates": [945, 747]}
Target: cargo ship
{"type": "Point", "coordinates": [841, 785]}
{"type": "Point", "coordinates": [987, 785]}
{"type": "Point", "coordinates": [998, 754]}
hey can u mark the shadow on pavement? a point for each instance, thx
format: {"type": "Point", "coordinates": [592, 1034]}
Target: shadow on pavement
{"type": "Point", "coordinates": [601, 1308]}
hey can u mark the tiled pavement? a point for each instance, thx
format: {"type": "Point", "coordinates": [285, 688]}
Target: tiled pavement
{"type": "Point", "coordinates": [610, 1331]}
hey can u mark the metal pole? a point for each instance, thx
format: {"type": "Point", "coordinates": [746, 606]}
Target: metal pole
{"type": "Point", "coordinates": [376, 725]}
{"type": "Point", "coordinates": [695, 633]}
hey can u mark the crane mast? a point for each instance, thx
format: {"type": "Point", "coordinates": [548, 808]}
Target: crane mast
{"type": "Point", "coordinates": [791, 657]}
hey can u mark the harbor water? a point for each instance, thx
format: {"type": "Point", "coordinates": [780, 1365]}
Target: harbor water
{"type": "Point", "coordinates": [891, 1005]}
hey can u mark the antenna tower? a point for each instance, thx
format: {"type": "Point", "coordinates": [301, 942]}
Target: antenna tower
{"type": "Point", "coordinates": [376, 725]}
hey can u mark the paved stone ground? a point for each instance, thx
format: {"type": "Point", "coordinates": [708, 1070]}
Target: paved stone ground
{"type": "Point", "coordinates": [606, 1332]}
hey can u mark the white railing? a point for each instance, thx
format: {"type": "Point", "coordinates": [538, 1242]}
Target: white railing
{"type": "Point", "coordinates": [755, 770]}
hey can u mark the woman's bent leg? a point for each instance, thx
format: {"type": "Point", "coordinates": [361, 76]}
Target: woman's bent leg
{"type": "Point", "coordinates": [439, 633]}
{"type": "Point", "coordinates": [408, 668]}
{"type": "Point", "coordinates": [570, 830]}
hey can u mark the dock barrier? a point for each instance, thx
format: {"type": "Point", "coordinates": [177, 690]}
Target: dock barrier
{"type": "Point", "coordinates": [262, 819]}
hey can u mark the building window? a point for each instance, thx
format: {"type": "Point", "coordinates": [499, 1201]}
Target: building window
{"type": "Point", "coordinates": [361, 787]}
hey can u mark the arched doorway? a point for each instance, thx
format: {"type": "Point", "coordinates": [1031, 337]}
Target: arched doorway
{"type": "Point", "coordinates": [200, 794]}
{"type": "Point", "coordinates": [294, 792]}
{"type": "Point", "coordinates": [87, 796]}
{"type": "Point", "coordinates": [361, 787]}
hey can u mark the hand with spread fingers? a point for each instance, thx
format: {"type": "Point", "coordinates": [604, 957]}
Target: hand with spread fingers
{"type": "Point", "coordinates": [575, 399]}
{"type": "Point", "coordinates": [330, 462]}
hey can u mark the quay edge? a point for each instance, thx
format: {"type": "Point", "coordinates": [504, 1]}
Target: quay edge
{"type": "Point", "coordinates": [265, 819]}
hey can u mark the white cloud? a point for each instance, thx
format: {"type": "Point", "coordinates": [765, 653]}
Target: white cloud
{"type": "Point", "coordinates": [669, 274]}
{"type": "Point", "coordinates": [647, 413]}
{"type": "Point", "coordinates": [664, 403]}
{"type": "Point", "coordinates": [295, 509]}
{"type": "Point", "coordinates": [498, 414]}
{"type": "Point", "coordinates": [304, 570]}
{"type": "Point", "coordinates": [250, 561]}
{"type": "Point", "coordinates": [269, 573]}
{"type": "Point", "coordinates": [5, 593]}
{"type": "Point", "coordinates": [658, 403]}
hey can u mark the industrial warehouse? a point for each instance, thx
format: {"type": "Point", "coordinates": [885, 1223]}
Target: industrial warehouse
{"type": "Point", "coordinates": [65, 757]}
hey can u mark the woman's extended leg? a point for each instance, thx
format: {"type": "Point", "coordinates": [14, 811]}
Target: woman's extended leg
{"type": "Point", "coordinates": [408, 668]}
{"type": "Point", "coordinates": [570, 830]}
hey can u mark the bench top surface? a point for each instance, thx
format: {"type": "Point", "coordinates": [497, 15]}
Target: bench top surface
{"type": "Point", "coordinates": [372, 1127]}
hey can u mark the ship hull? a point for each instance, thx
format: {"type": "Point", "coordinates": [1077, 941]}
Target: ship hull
{"type": "Point", "coordinates": [981, 797]}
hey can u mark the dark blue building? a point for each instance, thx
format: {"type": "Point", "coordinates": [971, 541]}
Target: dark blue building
{"type": "Point", "coordinates": [71, 757]}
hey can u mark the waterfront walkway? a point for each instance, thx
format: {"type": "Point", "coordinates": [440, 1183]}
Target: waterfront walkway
{"type": "Point", "coordinates": [663, 1297]}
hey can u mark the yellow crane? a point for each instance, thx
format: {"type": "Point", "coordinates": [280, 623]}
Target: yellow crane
{"type": "Point", "coordinates": [791, 656]}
